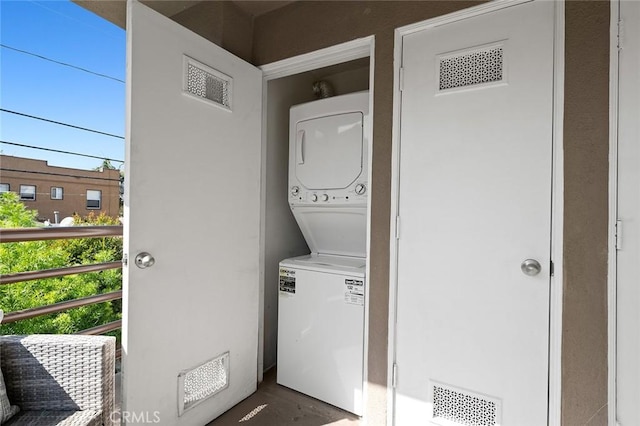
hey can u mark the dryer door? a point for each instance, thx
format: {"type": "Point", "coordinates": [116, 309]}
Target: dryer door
{"type": "Point", "coordinates": [328, 151]}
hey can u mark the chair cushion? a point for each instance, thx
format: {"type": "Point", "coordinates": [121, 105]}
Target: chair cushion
{"type": "Point", "coordinates": [58, 418]}
{"type": "Point", "coordinates": [6, 409]}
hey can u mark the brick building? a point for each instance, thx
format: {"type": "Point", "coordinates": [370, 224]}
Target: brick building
{"type": "Point", "coordinates": [48, 188]}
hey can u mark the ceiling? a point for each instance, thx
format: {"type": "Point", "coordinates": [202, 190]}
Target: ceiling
{"type": "Point", "coordinates": [115, 10]}
{"type": "Point", "coordinates": [257, 8]}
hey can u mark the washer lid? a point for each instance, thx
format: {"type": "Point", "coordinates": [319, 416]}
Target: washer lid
{"type": "Point", "coordinates": [328, 151]}
{"type": "Point", "coordinates": [333, 230]}
{"type": "Point", "coordinates": [341, 265]}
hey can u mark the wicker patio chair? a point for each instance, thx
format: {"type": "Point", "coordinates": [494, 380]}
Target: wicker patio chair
{"type": "Point", "coordinates": [59, 379]}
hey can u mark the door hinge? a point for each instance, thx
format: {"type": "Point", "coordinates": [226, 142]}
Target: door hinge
{"type": "Point", "coordinates": [394, 376]}
{"type": "Point", "coordinates": [397, 227]}
{"type": "Point", "coordinates": [620, 29]}
{"type": "Point", "coordinates": [125, 259]}
{"type": "Point", "coordinates": [401, 79]}
{"type": "Point", "coordinates": [551, 267]}
{"type": "Point", "coordinates": [618, 235]}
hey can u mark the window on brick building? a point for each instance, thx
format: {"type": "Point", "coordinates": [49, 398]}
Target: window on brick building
{"type": "Point", "coordinates": [28, 192]}
{"type": "Point", "coordinates": [94, 199]}
{"type": "Point", "coordinates": [56, 192]}
{"type": "Point", "coordinates": [4, 187]}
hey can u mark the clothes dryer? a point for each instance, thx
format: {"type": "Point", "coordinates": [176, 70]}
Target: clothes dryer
{"type": "Point", "coordinates": [328, 173]}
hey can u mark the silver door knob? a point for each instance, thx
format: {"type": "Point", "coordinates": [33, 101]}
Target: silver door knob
{"type": "Point", "coordinates": [144, 260]}
{"type": "Point", "coordinates": [531, 267]}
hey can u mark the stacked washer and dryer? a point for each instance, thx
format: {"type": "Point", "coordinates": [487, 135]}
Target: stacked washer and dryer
{"type": "Point", "coordinates": [321, 295]}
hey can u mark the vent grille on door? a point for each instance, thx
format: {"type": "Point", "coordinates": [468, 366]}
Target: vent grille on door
{"type": "Point", "coordinates": [202, 382]}
{"type": "Point", "coordinates": [465, 408]}
{"type": "Point", "coordinates": [479, 66]}
{"type": "Point", "coordinates": [205, 83]}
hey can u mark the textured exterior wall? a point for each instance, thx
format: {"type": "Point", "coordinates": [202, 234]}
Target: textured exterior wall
{"type": "Point", "coordinates": [586, 151]}
{"type": "Point", "coordinates": [221, 22]}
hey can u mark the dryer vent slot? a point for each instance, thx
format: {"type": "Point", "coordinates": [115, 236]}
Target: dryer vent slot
{"type": "Point", "coordinates": [323, 89]}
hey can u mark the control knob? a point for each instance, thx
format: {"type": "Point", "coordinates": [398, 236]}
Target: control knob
{"type": "Point", "coordinates": [361, 188]}
{"type": "Point", "coordinates": [325, 197]}
{"type": "Point", "coordinates": [314, 198]}
{"type": "Point", "coordinates": [295, 190]}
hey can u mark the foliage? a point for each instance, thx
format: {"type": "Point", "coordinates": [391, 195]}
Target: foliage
{"type": "Point", "coordinates": [106, 165]}
{"type": "Point", "coordinates": [88, 250]}
{"type": "Point", "coordinates": [37, 255]}
{"type": "Point", "coordinates": [14, 214]}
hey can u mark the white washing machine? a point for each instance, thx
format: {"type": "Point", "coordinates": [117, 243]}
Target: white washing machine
{"type": "Point", "coordinates": [321, 328]}
{"type": "Point", "coordinates": [322, 295]}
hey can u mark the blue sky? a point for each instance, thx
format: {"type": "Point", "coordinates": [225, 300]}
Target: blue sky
{"type": "Point", "coordinates": [67, 33]}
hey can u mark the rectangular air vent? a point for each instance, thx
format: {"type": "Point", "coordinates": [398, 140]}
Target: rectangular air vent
{"type": "Point", "coordinates": [453, 406]}
{"type": "Point", "coordinates": [471, 67]}
{"type": "Point", "coordinates": [206, 83]}
{"type": "Point", "coordinates": [202, 382]}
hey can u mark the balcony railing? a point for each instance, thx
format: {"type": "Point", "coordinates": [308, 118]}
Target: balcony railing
{"type": "Point", "coordinates": [57, 233]}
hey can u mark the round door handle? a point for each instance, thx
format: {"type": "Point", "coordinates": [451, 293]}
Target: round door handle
{"type": "Point", "coordinates": [531, 267]}
{"type": "Point", "coordinates": [144, 260]}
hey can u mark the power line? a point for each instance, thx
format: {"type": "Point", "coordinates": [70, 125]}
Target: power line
{"type": "Point", "coordinates": [57, 174]}
{"type": "Point", "coordinates": [60, 151]}
{"type": "Point", "coordinates": [62, 124]}
{"type": "Point", "coordinates": [81, 21]}
{"type": "Point", "coordinates": [61, 63]}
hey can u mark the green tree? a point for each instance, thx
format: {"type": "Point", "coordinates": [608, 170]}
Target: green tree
{"type": "Point", "coordinates": [38, 255]}
{"type": "Point", "coordinates": [14, 214]}
{"type": "Point", "coordinates": [106, 164]}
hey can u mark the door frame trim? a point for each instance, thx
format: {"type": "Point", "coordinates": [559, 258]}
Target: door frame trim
{"type": "Point", "coordinates": [343, 52]}
{"type": "Point", "coordinates": [332, 55]}
{"type": "Point", "coordinates": [557, 211]}
{"type": "Point", "coordinates": [612, 277]}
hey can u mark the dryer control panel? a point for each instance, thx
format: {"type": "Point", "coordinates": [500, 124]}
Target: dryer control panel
{"type": "Point", "coordinates": [356, 195]}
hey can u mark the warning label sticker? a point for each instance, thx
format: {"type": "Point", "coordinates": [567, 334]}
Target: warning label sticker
{"type": "Point", "coordinates": [287, 280]}
{"type": "Point", "coordinates": [354, 292]}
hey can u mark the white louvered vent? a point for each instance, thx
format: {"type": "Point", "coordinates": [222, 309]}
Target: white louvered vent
{"type": "Point", "coordinates": [471, 67]}
{"type": "Point", "coordinates": [206, 83]}
{"type": "Point", "coordinates": [202, 382]}
{"type": "Point", "coordinates": [461, 407]}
